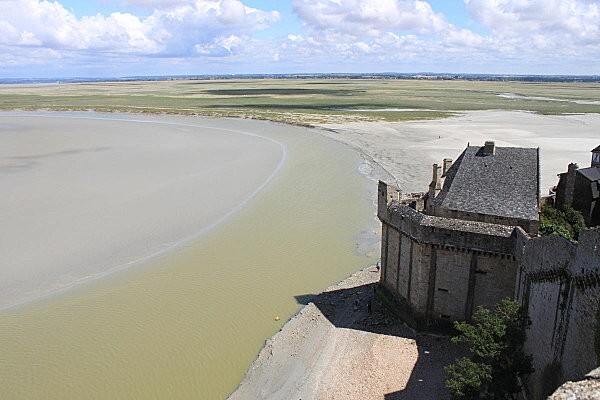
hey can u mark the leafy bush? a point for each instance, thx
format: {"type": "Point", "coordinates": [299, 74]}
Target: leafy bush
{"type": "Point", "coordinates": [567, 222]}
{"type": "Point", "coordinates": [495, 340]}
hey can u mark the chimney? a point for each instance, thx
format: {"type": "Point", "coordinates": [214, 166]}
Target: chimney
{"type": "Point", "coordinates": [434, 188]}
{"type": "Point", "coordinates": [435, 179]}
{"type": "Point", "coordinates": [489, 148]}
{"type": "Point", "coordinates": [447, 165]}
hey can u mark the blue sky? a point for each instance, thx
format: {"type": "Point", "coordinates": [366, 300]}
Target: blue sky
{"type": "Point", "coordinates": [102, 38]}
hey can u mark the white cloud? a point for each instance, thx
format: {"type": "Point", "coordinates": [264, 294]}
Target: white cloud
{"type": "Point", "coordinates": [153, 3]}
{"type": "Point", "coordinates": [336, 35]}
{"type": "Point", "coordinates": [462, 37]}
{"type": "Point", "coordinates": [369, 17]}
{"type": "Point", "coordinates": [533, 35]}
{"type": "Point", "coordinates": [221, 46]}
{"type": "Point", "coordinates": [177, 30]}
{"type": "Point", "coordinates": [576, 20]}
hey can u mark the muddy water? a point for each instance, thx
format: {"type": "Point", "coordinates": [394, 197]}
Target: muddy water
{"type": "Point", "coordinates": [187, 324]}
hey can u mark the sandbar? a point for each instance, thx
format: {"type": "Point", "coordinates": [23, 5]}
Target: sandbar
{"type": "Point", "coordinates": [86, 194]}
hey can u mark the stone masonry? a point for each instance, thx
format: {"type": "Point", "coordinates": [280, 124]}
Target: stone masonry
{"type": "Point", "coordinates": [440, 268]}
{"type": "Point", "coordinates": [453, 250]}
{"type": "Point", "coordinates": [441, 257]}
{"type": "Point", "coordinates": [559, 286]}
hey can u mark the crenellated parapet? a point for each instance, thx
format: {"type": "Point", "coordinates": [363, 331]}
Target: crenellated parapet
{"type": "Point", "coordinates": [442, 231]}
{"type": "Point", "coordinates": [450, 232]}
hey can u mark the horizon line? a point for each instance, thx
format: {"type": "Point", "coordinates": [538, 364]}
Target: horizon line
{"type": "Point", "coordinates": [413, 75]}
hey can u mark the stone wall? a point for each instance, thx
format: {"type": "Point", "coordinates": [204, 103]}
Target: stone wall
{"type": "Point", "coordinates": [559, 285]}
{"type": "Point", "coordinates": [440, 269]}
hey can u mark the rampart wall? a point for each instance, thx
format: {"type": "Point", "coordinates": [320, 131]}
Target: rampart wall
{"type": "Point", "coordinates": [559, 285]}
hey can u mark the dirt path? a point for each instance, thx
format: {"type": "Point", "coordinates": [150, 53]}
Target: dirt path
{"type": "Point", "coordinates": [335, 348]}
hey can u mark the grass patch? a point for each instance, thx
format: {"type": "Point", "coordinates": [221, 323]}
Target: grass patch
{"type": "Point", "coordinates": [307, 102]}
{"type": "Point", "coordinates": [280, 92]}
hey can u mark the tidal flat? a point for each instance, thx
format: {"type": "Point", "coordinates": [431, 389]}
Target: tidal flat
{"type": "Point", "coordinates": [187, 322]}
{"type": "Point", "coordinates": [308, 101]}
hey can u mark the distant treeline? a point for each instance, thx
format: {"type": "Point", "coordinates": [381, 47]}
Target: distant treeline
{"type": "Point", "coordinates": [390, 75]}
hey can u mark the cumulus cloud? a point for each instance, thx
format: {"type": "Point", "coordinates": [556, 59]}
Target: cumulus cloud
{"type": "Point", "coordinates": [369, 17]}
{"type": "Point", "coordinates": [180, 28]}
{"type": "Point", "coordinates": [382, 31]}
{"type": "Point", "coordinates": [533, 34]}
{"type": "Point", "coordinates": [153, 3]}
{"type": "Point", "coordinates": [578, 20]}
{"type": "Point", "coordinates": [390, 35]}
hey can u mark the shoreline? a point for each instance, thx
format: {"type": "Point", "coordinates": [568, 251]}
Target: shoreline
{"type": "Point", "coordinates": [341, 339]}
{"type": "Point", "coordinates": [138, 310]}
{"type": "Point", "coordinates": [297, 362]}
{"type": "Point", "coordinates": [394, 131]}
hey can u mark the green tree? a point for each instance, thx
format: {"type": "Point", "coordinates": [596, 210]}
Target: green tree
{"type": "Point", "coordinates": [567, 222]}
{"type": "Point", "coordinates": [495, 340]}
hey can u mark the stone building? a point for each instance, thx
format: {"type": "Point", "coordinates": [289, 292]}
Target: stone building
{"type": "Point", "coordinates": [499, 185]}
{"type": "Point", "coordinates": [580, 189]}
{"type": "Point", "coordinates": [453, 249]}
{"type": "Point", "coordinates": [472, 240]}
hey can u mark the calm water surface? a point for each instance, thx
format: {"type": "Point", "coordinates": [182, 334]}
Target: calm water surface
{"type": "Point", "coordinates": [188, 324]}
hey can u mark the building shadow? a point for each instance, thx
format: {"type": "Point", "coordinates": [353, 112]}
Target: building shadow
{"type": "Point", "coordinates": [304, 299]}
{"type": "Point", "coordinates": [364, 308]}
{"type": "Point", "coordinates": [427, 377]}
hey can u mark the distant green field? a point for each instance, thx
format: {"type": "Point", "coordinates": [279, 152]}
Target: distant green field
{"type": "Point", "coordinates": [307, 101]}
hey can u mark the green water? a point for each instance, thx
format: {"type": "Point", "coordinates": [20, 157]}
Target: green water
{"type": "Point", "coordinates": [189, 324]}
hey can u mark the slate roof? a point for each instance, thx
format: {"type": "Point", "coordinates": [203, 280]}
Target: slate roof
{"type": "Point", "coordinates": [591, 173]}
{"type": "Point", "coordinates": [596, 149]}
{"type": "Point", "coordinates": [503, 184]}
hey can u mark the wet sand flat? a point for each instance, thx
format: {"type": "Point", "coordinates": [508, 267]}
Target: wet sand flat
{"type": "Point", "coordinates": [82, 197]}
{"type": "Point", "coordinates": [408, 149]}
{"type": "Point", "coordinates": [186, 324]}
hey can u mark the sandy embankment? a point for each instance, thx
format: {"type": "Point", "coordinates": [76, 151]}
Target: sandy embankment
{"type": "Point", "coordinates": [330, 349]}
{"type": "Point", "coordinates": [334, 349]}
{"type": "Point", "coordinates": [82, 197]}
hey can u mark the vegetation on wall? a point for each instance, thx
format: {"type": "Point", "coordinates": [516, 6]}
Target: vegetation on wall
{"type": "Point", "coordinates": [497, 364]}
{"type": "Point", "coordinates": [566, 222]}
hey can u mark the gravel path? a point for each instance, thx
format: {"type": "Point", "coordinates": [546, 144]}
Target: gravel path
{"type": "Point", "coordinates": [335, 348]}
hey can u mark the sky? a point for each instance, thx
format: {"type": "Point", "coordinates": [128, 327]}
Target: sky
{"type": "Point", "coordinates": [116, 38]}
